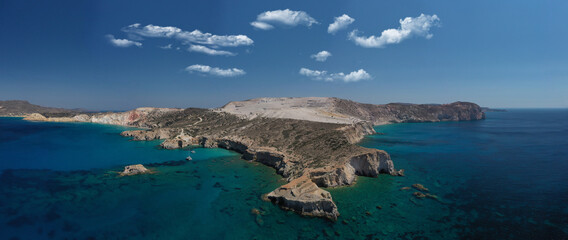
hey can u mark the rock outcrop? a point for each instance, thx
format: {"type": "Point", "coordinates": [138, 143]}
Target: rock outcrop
{"type": "Point", "coordinates": [303, 196]}
{"type": "Point", "coordinates": [35, 117]}
{"type": "Point", "coordinates": [41, 118]}
{"type": "Point", "coordinates": [134, 170]}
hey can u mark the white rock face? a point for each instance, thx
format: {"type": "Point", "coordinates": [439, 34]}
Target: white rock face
{"type": "Point", "coordinates": [335, 110]}
{"type": "Point", "coordinates": [130, 117]}
{"type": "Point", "coordinates": [317, 109]}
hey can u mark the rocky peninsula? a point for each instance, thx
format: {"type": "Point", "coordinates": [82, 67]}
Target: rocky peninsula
{"type": "Point", "coordinates": [312, 142]}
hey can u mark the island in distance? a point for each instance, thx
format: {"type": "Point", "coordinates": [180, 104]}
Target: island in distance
{"type": "Point", "coordinates": [312, 142]}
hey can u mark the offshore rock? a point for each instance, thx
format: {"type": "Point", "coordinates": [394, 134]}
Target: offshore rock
{"type": "Point", "coordinates": [134, 170]}
{"type": "Point", "coordinates": [305, 197]}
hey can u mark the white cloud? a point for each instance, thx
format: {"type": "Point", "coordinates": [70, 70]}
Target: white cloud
{"type": "Point", "coordinates": [209, 51]}
{"type": "Point", "coordinates": [418, 26]}
{"type": "Point", "coordinates": [186, 37]}
{"type": "Point", "coordinates": [152, 30]}
{"type": "Point", "coordinates": [340, 22]}
{"type": "Point", "coordinates": [321, 56]}
{"type": "Point", "coordinates": [197, 36]}
{"type": "Point", "coordinates": [169, 46]}
{"type": "Point", "coordinates": [215, 71]}
{"type": "Point", "coordinates": [354, 76]}
{"type": "Point", "coordinates": [261, 25]}
{"type": "Point", "coordinates": [315, 74]}
{"type": "Point", "coordinates": [122, 42]}
{"type": "Point", "coordinates": [285, 17]}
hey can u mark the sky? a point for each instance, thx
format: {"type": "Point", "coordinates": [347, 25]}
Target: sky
{"type": "Point", "coordinates": [119, 55]}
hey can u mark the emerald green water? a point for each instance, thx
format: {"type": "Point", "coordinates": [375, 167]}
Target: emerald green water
{"type": "Point", "coordinates": [501, 178]}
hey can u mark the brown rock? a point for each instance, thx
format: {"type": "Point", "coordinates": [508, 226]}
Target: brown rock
{"type": "Point", "coordinates": [419, 195]}
{"type": "Point", "coordinates": [420, 187]}
{"type": "Point", "coordinates": [255, 211]}
{"type": "Point", "coordinates": [134, 170]}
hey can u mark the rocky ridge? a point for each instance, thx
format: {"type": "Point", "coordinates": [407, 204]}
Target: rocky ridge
{"type": "Point", "coordinates": [336, 110]}
{"type": "Point", "coordinates": [15, 108]}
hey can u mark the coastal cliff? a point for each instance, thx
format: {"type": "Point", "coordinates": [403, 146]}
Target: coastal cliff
{"type": "Point", "coordinates": [304, 197]}
{"type": "Point", "coordinates": [310, 153]}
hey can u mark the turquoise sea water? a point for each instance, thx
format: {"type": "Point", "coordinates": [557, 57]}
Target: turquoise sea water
{"type": "Point", "coordinates": [500, 178]}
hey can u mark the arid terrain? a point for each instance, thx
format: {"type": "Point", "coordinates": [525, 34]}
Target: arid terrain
{"type": "Point", "coordinates": [312, 142]}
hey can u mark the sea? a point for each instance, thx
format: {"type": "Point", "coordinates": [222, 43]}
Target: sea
{"type": "Point", "coordinates": [505, 177]}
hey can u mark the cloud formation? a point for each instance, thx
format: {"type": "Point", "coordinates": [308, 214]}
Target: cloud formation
{"type": "Point", "coordinates": [215, 71]}
{"type": "Point", "coordinates": [321, 56]}
{"type": "Point", "coordinates": [261, 25]}
{"type": "Point", "coordinates": [169, 46]}
{"type": "Point", "coordinates": [286, 17]}
{"type": "Point", "coordinates": [187, 37]}
{"type": "Point", "coordinates": [122, 42]}
{"type": "Point", "coordinates": [354, 76]}
{"type": "Point", "coordinates": [209, 51]}
{"type": "Point", "coordinates": [418, 26]}
{"type": "Point", "coordinates": [340, 22]}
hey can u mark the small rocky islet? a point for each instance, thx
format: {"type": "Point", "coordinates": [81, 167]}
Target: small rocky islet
{"type": "Point", "coordinates": [312, 142]}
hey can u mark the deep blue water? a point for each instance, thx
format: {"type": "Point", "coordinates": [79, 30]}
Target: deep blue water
{"type": "Point", "coordinates": [500, 178]}
{"type": "Point", "coordinates": [79, 146]}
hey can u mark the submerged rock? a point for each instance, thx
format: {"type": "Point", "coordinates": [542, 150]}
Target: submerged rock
{"type": "Point", "coordinates": [432, 196]}
{"type": "Point", "coordinates": [420, 187]}
{"type": "Point", "coordinates": [419, 195]}
{"type": "Point", "coordinates": [259, 220]}
{"type": "Point", "coordinates": [134, 169]}
{"type": "Point", "coordinates": [255, 211]}
{"type": "Point", "coordinates": [305, 197]}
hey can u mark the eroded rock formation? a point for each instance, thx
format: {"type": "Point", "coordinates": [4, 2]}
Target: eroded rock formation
{"type": "Point", "coordinates": [303, 196]}
{"type": "Point", "coordinates": [134, 170]}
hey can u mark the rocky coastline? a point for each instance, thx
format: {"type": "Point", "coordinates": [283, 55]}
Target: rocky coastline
{"type": "Point", "coordinates": [310, 154]}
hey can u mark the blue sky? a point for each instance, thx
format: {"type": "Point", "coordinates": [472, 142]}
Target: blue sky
{"type": "Point", "coordinates": [100, 54]}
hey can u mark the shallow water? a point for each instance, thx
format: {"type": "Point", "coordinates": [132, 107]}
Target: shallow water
{"type": "Point", "coordinates": [501, 178]}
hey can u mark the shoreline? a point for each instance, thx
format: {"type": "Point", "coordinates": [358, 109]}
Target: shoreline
{"type": "Point", "coordinates": [311, 154]}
